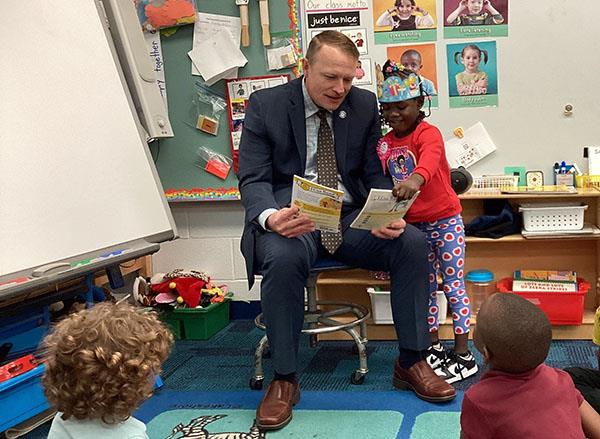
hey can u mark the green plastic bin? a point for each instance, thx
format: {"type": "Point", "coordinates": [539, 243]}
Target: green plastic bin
{"type": "Point", "coordinates": [197, 323]}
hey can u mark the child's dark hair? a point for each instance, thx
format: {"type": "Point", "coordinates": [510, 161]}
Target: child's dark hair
{"type": "Point", "coordinates": [411, 52]}
{"type": "Point", "coordinates": [398, 3]}
{"type": "Point", "coordinates": [515, 332]}
{"type": "Point", "coordinates": [391, 68]}
{"type": "Point", "coordinates": [475, 48]}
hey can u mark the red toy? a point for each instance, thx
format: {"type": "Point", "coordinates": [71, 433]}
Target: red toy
{"type": "Point", "coordinates": [18, 367]}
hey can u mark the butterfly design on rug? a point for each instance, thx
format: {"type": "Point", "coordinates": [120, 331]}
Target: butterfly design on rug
{"type": "Point", "coordinates": [195, 429]}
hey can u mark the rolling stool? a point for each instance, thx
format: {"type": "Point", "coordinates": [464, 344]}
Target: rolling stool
{"type": "Point", "coordinates": [322, 322]}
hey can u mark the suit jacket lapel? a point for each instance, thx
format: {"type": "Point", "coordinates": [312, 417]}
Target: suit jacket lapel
{"type": "Point", "coordinates": [341, 118]}
{"type": "Point", "coordinates": [298, 121]}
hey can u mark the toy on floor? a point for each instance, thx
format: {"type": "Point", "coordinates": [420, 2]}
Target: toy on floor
{"type": "Point", "coordinates": [179, 288]}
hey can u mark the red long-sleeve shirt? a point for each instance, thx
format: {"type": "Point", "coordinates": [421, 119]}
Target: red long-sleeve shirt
{"type": "Point", "coordinates": [421, 152]}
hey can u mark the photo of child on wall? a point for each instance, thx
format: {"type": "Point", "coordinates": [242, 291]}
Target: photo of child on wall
{"type": "Point", "coordinates": [468, 18]}
{"type": "Point", "coordinates": [472, 72]}
{"type": "Point", "coordinates": [421, 59]}
{"type": "Point", "coordinates": [404, 20]}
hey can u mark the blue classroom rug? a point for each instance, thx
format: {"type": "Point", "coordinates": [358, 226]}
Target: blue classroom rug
{"type": "Point", "coordinates": [319, 415]}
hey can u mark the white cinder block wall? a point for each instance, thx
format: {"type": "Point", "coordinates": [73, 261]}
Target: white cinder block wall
{"type": "Point", "coordinates": [209, 241]}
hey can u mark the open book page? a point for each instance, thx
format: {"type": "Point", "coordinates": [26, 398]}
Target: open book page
{"type": "Point", "coordinates": [381, 209]}
{"type": "Point", "coordinates": [321, 203]}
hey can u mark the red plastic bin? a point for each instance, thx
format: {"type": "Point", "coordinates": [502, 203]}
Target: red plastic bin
{"type": "Point", "coordinates": [561, 308]}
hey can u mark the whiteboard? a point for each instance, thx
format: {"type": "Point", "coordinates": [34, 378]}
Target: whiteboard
{"type": "Point", "coordinates": [549, 59]}
{"type": "Point", "coordinates": [75, 173]}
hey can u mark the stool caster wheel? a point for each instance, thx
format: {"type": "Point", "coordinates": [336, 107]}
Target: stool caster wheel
{"type": "Point", "coordinates": [256, 384]}
{"type": "Point", "coordinates": [357, 378]}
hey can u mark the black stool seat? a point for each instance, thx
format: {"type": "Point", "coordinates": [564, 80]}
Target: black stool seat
{"type": "Point", "coordinates": [327, 263]}
{"type": "Point", "coordinates": [323, 320]}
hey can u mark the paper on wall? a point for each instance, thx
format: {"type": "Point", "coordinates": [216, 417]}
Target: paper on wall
{"type": "Point", "coordinates": [593, 156]}
{"type": "Point", "coordinates": [209, 25]}
{"type": "Point", "coordinates": [472, 147]}
{"type": "Point", "coordinates": [155, 52]}
{"type": "Point", "coordinates": [217, 57]}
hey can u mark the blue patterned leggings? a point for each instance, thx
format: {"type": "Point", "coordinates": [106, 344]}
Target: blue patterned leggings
{"type": "Point", "coordinates": [446, 239]}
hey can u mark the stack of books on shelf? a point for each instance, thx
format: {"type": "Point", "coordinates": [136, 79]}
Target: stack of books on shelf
{"type": "Point", "coordinates": [554, 281]}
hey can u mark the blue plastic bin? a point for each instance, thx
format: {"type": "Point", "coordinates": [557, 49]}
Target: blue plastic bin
{"type": "Point", "coordinates": [21, 398]}
{"type": "Point", "coordinates": [25, 331]}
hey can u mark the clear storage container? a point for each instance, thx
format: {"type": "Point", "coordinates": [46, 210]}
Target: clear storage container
{"type": "Point", "coordinates": [480, 284]}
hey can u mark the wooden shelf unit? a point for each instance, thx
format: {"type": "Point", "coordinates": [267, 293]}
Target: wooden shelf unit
{"type": "Point", "coordinates": [502, 256]}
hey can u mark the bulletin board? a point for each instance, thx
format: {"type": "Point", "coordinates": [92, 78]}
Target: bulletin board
{"type": "Point", "coordinates": [176, 158]}
{"type": "Point", "coordinates": [531, 78]}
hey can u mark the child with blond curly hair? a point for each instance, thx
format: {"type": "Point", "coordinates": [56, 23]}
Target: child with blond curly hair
{"type": "Point", "coordinates": [101, 365]}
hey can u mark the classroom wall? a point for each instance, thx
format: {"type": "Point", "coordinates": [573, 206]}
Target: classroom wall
{"type": "Point", "coordinates": [546, 39]}
{"type": "Point", "coordinates": [209, 241]}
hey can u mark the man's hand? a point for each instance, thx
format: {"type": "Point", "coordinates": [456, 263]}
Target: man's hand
{"type": "Point", "coordinates": [289, 222]}
{"type": "Point", "coordinates": [407, 188]}
{"type": "Point", "coordinates": [391, 231]}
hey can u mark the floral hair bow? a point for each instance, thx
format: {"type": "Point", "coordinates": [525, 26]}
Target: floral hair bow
{"type": "Point", "coordinates": [391, 67]}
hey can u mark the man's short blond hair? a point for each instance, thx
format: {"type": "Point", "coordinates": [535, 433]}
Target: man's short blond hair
{"type": "Point", "coordinates": [331, 38]}
{"type": "Point", "coordinates": [101, 363]}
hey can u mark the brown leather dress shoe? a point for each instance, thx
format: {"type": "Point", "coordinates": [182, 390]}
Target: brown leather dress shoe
{"type": "Point", "coordinates": [421, 379]}
{"type": "Point", "coordinates": [275, 409]}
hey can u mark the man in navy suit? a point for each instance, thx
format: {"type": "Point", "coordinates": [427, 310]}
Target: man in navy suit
{"type": "Point", "coordinates": [279, 140]}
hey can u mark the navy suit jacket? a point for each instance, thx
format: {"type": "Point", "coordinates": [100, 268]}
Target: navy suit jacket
{"type": "Point", "coordinates": [273, 149]}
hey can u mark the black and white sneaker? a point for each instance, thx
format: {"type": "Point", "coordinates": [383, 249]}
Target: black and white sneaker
{"type": "Point", "coordinates": [437, 358]}
{"type": "Point", "coordinates": [460, 367]}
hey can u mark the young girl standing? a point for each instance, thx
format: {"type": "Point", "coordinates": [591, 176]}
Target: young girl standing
{"type": "Point", "coordinates": [436, 211]}
{"type": "Point", "coordinates": [471, 81]}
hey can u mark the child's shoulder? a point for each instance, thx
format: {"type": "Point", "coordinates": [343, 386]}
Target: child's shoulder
{"type": "Point", "coordinates": [425, 128]}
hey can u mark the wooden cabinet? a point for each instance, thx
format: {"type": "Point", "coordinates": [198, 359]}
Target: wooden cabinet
{"type": "Point", "coordinates": [501, 256]}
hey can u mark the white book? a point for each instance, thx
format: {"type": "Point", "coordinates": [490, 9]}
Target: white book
{"type": "Point", "coordinates": [380, 209]}
{"type": "Point", "coordinates": [520, 285]}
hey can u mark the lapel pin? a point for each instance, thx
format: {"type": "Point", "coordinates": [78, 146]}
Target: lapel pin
{"type": "Point", "coordinates": [343, 114]}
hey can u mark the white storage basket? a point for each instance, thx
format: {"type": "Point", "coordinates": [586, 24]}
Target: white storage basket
{"type": "Point", "coordinates": [551, 217]}
{"type": "Point", "coordinates": [381, 309]}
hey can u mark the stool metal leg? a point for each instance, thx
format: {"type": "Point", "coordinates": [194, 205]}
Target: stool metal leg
{"type": "Point", "coordinates": [358, 376]}
{"type": "Point", "coordinates": [311, 305]}
{"type": "Point", "coordinates": [321, 322]}
{"type": "Point", "coordinates": [256, 382]}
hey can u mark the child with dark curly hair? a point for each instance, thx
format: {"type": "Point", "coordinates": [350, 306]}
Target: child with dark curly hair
{"type": "Point", "coordinates": [101, 365]}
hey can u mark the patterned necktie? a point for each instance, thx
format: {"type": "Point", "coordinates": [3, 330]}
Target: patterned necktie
{"type": "Point", "coordinates": [327, 174]}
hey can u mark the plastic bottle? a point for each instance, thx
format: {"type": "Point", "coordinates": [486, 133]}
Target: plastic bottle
{"type": "Point", "coordinates": [480, 284]}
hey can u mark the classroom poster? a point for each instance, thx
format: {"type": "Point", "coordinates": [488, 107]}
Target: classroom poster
{"type": "Point", "coordinates": [364, 72]}
{"type": "Point", "coordinates": [353, 19]}
{"type": "Point", "coordinates": [472, 74]}
{"type": "Point", "coordinates": [399, 21]}
{"type": "Point", "coordinates": [238, 93]}
{"type": "Point", "coordinates": [421, 59]}
{"type": "Point", "coordinates": [475, 19]}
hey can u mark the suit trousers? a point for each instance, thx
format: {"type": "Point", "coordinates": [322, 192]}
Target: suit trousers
{"type": "Point", "coordinates": [285, 263]}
